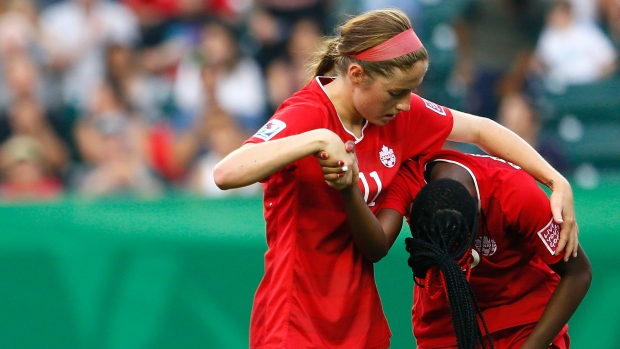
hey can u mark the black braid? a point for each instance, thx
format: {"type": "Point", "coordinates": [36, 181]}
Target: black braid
{"type": "Point", "coordinates": [443, 223]}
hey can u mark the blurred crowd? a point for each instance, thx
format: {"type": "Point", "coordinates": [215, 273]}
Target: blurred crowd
{"type": "Point", "coordinates": [144, 97]}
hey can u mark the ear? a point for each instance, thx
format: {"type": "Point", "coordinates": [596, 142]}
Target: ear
{"type": "Point", "coordinates": [356, 74]}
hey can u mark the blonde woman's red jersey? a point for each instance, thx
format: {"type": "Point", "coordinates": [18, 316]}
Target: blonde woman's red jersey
{"type": "Point", "coordinates": [318, 291]}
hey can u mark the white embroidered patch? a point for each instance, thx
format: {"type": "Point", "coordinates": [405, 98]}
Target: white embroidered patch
{"type": "Point", "coordinates": [387, 156]}
{"type": "Point", "coordinates": [270, 129]}
{"type": "Point", "coordinates": [435, 107]}
{"type": "Point", "coordinates": [550, 235]}
{"type": "Point", "coordinates": [487, 247]}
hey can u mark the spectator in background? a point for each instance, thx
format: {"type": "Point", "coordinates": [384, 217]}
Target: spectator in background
{"type": "Point", "coordinates": [27, 117]}
{"type": "Point", "coordinates": [214, 135]}
{"type": "Point", "coordinates": [289, 73]}
{"type": "Point", "coordinates": [496, 40]}
{"type": "Point", "coordinates": [610, 13]}
{"type": "Point", "coordinates": [270, 25]}
{"type": "Point", "coordinates": [26, 108]}
{"type": "Point", "coordinates": [21, 56]}
{"type": "Point", "coordinates": [24, 171]}
{"type": "Point", "coordinates": [518, 113]}
{"type": "Point", "coordinates": [19, 29]}
{"type": "Point", "coordinates": [170, 28]}
{"type": "Point", "coordinates": [238, 81]}
{"type": "Point", "coordinates": [221, 135]}
{"type": "Point", "coordinates": [161, 47]}
{"type": "Point", "coordinates": [572, 51]}
{"type": "Point", "coordinates": [21, 78]}
{"type": "Point", "coordinates": [76, 33]}
{"type": "Point", "coordinates": [146, 94]}
{"type": "Point", "coordinates": [111, 143]}
{"type": "Point", "coordinates": [413, 9]}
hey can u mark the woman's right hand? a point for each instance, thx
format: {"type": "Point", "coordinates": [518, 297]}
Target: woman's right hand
{"type": "Point", "coordinates": [339, 164]}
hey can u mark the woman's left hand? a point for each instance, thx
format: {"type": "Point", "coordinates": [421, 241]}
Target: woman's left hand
{"type": "Point", "coordinates": [563, 210]}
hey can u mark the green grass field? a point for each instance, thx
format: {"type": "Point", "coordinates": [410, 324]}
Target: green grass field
{"type": "Point", "coordinates": [181, 273]}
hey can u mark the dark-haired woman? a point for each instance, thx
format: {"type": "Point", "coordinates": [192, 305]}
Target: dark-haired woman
{"type": "Point", "coordinates": [319, 289]}
{"type": "Point", "coordinates": [482, 252]}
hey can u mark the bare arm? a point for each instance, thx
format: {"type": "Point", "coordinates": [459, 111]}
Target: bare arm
{"type": "Point", "coordinates": [499, 141]}
{"type": "Point", "coordinates": [373, 236]}
{"type": "Point", "coordinates": [253, 162]}
{"type": "Point", "coordinates": [576, 278]}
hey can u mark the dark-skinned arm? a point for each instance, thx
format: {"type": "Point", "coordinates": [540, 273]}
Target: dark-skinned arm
{"type": "Point", "coordinates": [576, 276]}
{"type": "Point", "coordinates": [373, 235]}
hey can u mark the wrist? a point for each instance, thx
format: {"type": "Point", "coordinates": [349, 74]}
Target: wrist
{"type": "Point", "coordinates": [555, 182]}
{"type": "Point", "coordinates": [350, 191]}
{"type": "Point", "coordinates": [322, 138]}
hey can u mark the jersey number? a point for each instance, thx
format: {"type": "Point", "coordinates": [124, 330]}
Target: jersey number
{"type": "Point", "coordinates": [366, 189]}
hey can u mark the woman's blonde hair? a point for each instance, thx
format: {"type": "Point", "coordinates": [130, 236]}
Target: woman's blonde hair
{"type": "Point", "coordinates": [360, 33]}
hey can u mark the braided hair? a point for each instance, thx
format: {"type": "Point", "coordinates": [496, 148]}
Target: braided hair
{"type": "Point", "coordinates": [443, 223]}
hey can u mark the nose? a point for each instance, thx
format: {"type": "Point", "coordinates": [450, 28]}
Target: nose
{"type": "Point", "coordinates": [404, 104]}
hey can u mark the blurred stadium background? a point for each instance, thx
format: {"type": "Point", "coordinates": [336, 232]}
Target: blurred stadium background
{"type": "Point", "coordinates": [167, 261]}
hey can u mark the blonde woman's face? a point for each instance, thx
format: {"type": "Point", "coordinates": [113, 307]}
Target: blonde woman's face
{"type": "Point", "coordinates": [381, 99]}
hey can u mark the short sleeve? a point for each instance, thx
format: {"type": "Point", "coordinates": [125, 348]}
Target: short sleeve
{"type": "Point", "coordinates": [292, 120]}
{"type": "Point", "coordinates": [430, 125]}
{"type": "Point", "coordinates": [404, 189]}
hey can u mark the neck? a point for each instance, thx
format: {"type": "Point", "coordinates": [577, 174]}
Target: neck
{"type": "Point", "coordinates": [337, 91]}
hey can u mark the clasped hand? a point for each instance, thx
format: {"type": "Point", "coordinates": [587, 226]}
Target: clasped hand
{"type": "Point", "coordinates": [339, 164]}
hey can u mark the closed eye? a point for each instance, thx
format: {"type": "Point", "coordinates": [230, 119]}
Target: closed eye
{"type": "Point", "coordinates": [399, 94]}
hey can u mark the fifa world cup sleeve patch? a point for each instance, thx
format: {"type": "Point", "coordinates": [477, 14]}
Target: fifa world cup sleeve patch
{"type": "Point", "coordinates": [435, 107]}
{"type": "Point", "coordinates": [270, 129]}
{"type": "Point", "coordinates": [550, 235]}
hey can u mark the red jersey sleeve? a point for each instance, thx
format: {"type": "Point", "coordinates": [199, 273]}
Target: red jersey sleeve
{"type": "Point", "coordinates": [301, 113]}
{"type": "Point", "coordinates": [432, 125]}
{"type": "Point", "coordinates": [529, 213]}
{"type": "Point", "coordinates": [288, 121]}
{"type": "Point", "coordinates": [404, 189]}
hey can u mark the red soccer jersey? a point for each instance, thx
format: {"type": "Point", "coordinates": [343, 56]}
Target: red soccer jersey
{"type": "Point", "coordinates": [318, 291]}
{"type": "Point", "coordinates": [516, 241]}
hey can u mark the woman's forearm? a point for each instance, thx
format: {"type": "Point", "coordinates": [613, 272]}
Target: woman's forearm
{"type": "Point", "coordinates": [253, 162]}
{"type": "Point", "coordinates": [576, 278]}
{"type": "Point", "coordinates": [366, 230]}
{"type": "Point", "coordinates": [499, 141]}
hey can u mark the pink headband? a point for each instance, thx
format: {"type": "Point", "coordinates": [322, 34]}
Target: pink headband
{"type": "Point", "coordinates": [399, 45]}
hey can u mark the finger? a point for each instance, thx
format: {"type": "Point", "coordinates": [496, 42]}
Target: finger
{"type": "Point", "coordinates": [343, 181]}
{"type": "Point", "coordinates": [321, 155]}
{"type": "Point", "coordinates": [561, 246]}
{"type": "Point", "coordinates": [565, 233]}
{"type": "Point", "coordinates": [576, 242]}
{"type": "Point", "coordinates": [556, 207]}
{"type": "Point", "coordinates": [335, 175]}
{"type": "Point", "coordinates": [557, 215]}
{"type": "Point", "coordinates": [332, 171]}
{"type": "Point", "coordinates": [339, 168]}
{"type": "Point", "coordinates": [331, 163]}
{"type": "Point", "coordinates": [569, 251]}
{"type": "Point", "coordinates": [333, 166]}
{"type": "Point", "coordinates": [350, 146]}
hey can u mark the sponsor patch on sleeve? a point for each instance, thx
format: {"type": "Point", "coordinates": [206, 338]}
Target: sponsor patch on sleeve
{"type": "Point", "coordinates": [435, 107]}
{"type": "Point", "coordinates": [550, 236]}
{"type": "Point", "coordinates": [270, 129]}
